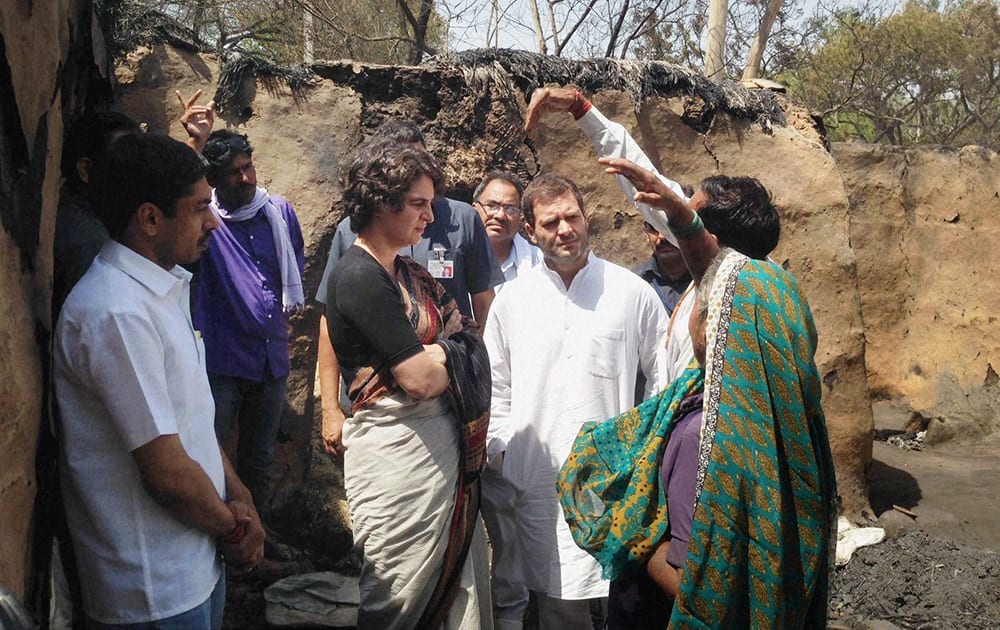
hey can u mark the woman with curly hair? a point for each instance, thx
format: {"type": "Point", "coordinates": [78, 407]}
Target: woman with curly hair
{"type": "Point", "coordinates": [416, 439]}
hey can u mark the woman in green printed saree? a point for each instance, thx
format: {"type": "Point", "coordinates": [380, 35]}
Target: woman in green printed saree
{"type": "Point", "coordinates": [759, 552]}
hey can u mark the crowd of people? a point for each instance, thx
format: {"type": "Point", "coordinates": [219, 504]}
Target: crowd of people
{"type": "Point", "coordinates": [518, 419]}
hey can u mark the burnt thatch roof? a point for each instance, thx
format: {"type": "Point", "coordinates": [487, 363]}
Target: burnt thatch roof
{"type": "Point", "coordinates": [239, 68]}
{"type": "Point", "coordinates": [496, 70]}
{"type": "Point", "coordinates": [639, 79]}
{"type": "Point", "coordinates": [128, 25]}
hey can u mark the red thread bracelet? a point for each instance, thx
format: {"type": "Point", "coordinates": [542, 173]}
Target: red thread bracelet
{"type": "Point", "coordinates": [580, 105]}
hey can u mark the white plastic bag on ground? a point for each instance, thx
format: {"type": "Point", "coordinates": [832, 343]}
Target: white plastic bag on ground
{"type": "Point", "coordinates": [850, 538]}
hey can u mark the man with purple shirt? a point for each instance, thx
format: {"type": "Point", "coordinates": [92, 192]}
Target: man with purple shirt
{"type": "Point", "coordinates": [247, 283]}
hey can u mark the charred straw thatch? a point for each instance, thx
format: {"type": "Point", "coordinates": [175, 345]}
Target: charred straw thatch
{"type": "Point", "coordinates": [500, 72]}
{"type": "Point", "coordinates": [639, 79]}
{"type": "Point", "coordinates": [127, 26]}
{"type": "Point", "coordinates": [239, 70]}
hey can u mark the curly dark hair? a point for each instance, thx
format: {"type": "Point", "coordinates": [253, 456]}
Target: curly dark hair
{"type": "Point", "coordinates": [739, 212]}
{"type": "Point", "coordinates": [380, 174]}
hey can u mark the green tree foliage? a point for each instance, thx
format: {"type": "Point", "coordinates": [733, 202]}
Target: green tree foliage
{"type": "Point", "coordinates": [923, 74]}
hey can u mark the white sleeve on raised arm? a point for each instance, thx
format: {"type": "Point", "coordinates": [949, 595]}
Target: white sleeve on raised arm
{"type": "Point", "coordinates": [612, 140]}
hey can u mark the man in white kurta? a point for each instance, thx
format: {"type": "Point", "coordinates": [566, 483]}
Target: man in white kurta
{"type": "Point", "coordinates": [566, 341]}
{"type": "Point", "coordinates": [497, 199]}
{"type": "Point", "coordinates": [741, 217]}
{"type": "Point", "coordinates": [611, 139]}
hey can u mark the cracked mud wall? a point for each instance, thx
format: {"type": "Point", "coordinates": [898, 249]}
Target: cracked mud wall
{"type": "Point", "coordinates": [53, 65]}
{"type": "Point", "coordinates": [925, 226]}
{"type": "Point", "coordinates": [301, 140]}
{"type": "Point", "coordinates": [31, 119]}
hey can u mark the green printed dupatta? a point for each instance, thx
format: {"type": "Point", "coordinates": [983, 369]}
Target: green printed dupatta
{"type": "Point", "coordinates": [761, 539]}
{"type": "Point", "coordinates": [609, 486]}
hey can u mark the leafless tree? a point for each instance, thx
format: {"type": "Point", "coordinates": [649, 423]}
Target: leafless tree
{"type": "Point", "coordinates": [718, 16]}
{"type": "Point", "coordinates": [752, 69]}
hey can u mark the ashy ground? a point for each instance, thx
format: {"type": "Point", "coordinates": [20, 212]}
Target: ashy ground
{"type": "Point", "coordinates": [943, 574]}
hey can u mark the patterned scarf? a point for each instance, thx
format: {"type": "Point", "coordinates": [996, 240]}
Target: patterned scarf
{"type": "Point", "coordinates": [292, 297]}
{"type": "Point", "coordinates": [469, 397]}
{"type": "Point", "coordinates": [761, 539]}
{"type": "Point", "coordinates": [609, 486]}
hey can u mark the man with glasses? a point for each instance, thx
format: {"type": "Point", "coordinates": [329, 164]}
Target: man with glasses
{"type": "Point", "coordinates": [497, 199]}
{"type": "Point", "coordinates": [246, 285]}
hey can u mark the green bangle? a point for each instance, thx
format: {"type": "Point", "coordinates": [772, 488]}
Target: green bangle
{"type": "Point", "coordinates": [689, 231]}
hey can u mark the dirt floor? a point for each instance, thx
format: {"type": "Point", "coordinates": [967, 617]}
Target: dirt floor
{"type": "Point", "coordinates": [945, 572]}
{"type": "Point", "coordinates": [942, 572]}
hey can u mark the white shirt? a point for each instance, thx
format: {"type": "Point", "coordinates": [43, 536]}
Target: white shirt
{"type": "Point", "coordinates": [680, 353]}
{"type": "Point", "coordinates": [612, 140]}
{"type": "Point", "coordinates": [130, 367]}
{"type": "Point", "coordinates": [523, 255]}
{"type": "Point", "coordinates": [560, 357]}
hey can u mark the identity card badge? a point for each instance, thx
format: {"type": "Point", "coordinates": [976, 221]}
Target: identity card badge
{"type": "Point", "coordinates": [438, 266]}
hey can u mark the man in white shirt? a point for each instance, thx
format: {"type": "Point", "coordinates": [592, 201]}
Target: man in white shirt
{"type": "Point", "coordinates": [150, 499]}
{"type": "Point", "coordinates": [737, 210]}
{"type": "Point", "coordinates": [497, 199]}
{"type": "Point", "coordinates": [566, 341]}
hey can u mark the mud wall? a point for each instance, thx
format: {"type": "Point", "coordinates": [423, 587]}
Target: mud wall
{"type": "Point", "coordinates": [925, 227]}
{"type": "Point", "coordinates": [473, 122]}
{"type": "Point", "coordinates": [31, 119]}
{"type": "Point", "coordinates": [914, 252]}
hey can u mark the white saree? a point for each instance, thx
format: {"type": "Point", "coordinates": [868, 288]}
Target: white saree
{"type": "Point", "coordinates": [400, 471]}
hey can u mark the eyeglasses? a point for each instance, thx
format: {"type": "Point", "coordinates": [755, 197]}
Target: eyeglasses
{"type": "Point", "coordinates": [508, 208]}
{"type": "Point", "coordinates": [219, 150]}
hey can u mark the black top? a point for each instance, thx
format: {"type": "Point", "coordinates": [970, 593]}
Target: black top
{"type": "Point", "coordinates": [366, 318]}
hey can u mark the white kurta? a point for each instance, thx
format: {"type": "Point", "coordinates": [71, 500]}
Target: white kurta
{"type": "Point", "coordinates": [561, 357]}
{"type": "Point", "coordinates": [612, 140]}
